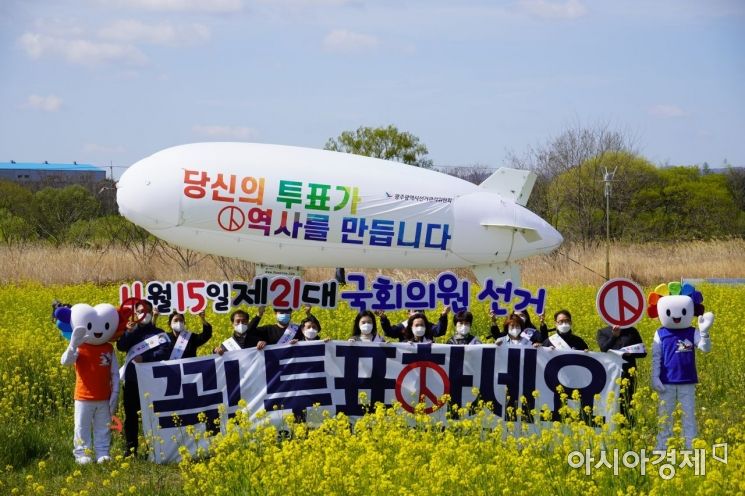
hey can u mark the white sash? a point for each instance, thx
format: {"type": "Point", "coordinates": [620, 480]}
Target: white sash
{"type": "Point", "coordinates": [289, 334]}
{"type": "Point", "coordinates": [231, 344]}
{"type": "Point", "coordinates": [142, 347]}
{"type": "Point", "coordinates": [558, 342]}
{"type": "Point", "coordinates": [632, 348]}
{"type": "Point", "coordinates": [180, 346]}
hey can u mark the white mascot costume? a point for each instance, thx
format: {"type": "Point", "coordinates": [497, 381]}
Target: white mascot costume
{"type": "Point", "coordinates": [674, 347]}
{"type": "Point", "coordinates": [96, 377]}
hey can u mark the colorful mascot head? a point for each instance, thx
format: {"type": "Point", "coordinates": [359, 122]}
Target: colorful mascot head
{"type": "Point", "coordinates": [103, 322]}
{"type": "Point", "coordinates": [675, 304]}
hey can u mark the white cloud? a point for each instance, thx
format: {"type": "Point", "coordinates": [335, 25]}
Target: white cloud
{"type": "Point", "coordinates": [546, 9]}
{"type": "Point", "coordinates": [95, 148]}
{"type": "Point", "coordinates": [225, 132]}
{"type": "Point", "coordinates": [345, 41]}
{"type": "Point", "coordinates": [213, 6]}
{"type": "Point", "coordinates": [80, 51]}
{"type": "Point", "coordinates": [59, 27]}
{"type": "Point", "coordinates": [49, 103]}
{"type": "Point", "coordinates": [665, 111]}
{"type": "Point", "coordinates": [164, 33]}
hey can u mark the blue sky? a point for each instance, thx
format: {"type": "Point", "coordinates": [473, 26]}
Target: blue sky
{"type": "Point", "coordinates": [112, 81]}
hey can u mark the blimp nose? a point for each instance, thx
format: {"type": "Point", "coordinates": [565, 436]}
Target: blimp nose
{"type": "Point", "coordinates": [535, 236]}
{"type": "Point", "coordinates": [148, 196]}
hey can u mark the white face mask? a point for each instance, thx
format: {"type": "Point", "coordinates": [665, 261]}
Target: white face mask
{"type": "Point", "coordinates": [240, 328]}
{"type": "Point", "coordinates": [146, 319]}
{"type": "Point", "coordinates": [366, 328]}
{"type": "Point", "coordinates": [418, 331]}
{"type": "Point", "coordinates": [514, 331]}
{"type": "Point", "coordinates": [462, 329]}
{"type": "Point", "coordinates": [310, 333]}
{"type": "Point", "coordinates": [177, 326]}
{"type": "Point", "coordinates": [564, 328]}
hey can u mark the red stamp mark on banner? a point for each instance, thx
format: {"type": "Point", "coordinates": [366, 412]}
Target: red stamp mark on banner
{"type": "Point", "coordinates": [231, 218]}
{"type": "Point", "coordinates": [620, 302]}
{"type": "Point", "coordinates": [426, 394]}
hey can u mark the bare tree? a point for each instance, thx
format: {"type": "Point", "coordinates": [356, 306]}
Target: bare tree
{"type": "Point", "coordinates": [234, 269]}
{"type": "Point", "coordinates": [568, 151]}
{"type": "Point", "coordinates": [185, 258]}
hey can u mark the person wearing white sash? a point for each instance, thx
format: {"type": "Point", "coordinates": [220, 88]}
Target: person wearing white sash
{"type": "Point", "coordinates": [365, 328]}
{"type": "Point", "coordinates": [526, 327]}
{"type": "Point", "coordinates": [564, 338]}
{"type": "Point", "coordinates": [282, 332]}
{"type": "Point", "coordinates": [516, 336]}
{"type": "Point", "coordinates": [184, 344]}
{"type": "Point", "coordinates": [626, 342]}
{"type": "Point", "coordinates": [240, 339]}
{"type": "Point", "coordinates": [142, 342]}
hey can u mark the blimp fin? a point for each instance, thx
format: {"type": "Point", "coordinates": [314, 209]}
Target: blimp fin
{"type": "Point", "coordinates": [510, 184]}
{"type": "Point", "coordinates": [531, 235]}
{"type": "Point", "coordinates": [498, 273]}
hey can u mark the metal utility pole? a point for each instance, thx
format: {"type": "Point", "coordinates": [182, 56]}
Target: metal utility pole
{"type": "Point", "coordinates": [607, 179]}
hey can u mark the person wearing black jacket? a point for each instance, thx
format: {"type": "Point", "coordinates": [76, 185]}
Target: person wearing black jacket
{"type": "Point", "coordinates": [617, 338]}
{"type": "Point", "coordinates": [564, 332]}
{"type": "Point", "coordinates": [176, 323]}
{"type": "Point", "coordinates": [136, 333]}
{"type": "Point", "coordinates": [283, 331]}
{"type": "Point", "coordinates": [397, 331]}
{"type": "Point", "coordinates": [239, 319]}
{"type": "Point", "coordinates": [308, 330]}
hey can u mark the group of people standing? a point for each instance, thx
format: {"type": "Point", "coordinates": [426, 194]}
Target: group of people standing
{"type": "Point", "coordinates": [143, 341]}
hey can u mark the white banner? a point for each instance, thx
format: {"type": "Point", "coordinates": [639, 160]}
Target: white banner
{"type": "Point", "coordinates": [290, 379]}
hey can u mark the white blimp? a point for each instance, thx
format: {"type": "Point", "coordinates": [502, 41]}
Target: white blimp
{"type": "Point", "coordinates": [290, 207]}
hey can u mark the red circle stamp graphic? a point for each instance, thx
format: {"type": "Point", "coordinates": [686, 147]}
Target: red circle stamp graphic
{"type": "Point", "coordinates": [231, 218]}
{"type": "Point", "coordinates": [425, 392]}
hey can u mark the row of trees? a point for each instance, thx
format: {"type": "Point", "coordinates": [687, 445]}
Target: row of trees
{"type": "Point", "coordinates": [647, 202]}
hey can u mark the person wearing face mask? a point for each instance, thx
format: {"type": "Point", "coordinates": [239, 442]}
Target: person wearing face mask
{"type": "Point", "coordinates": [397, 331]}
{"type": "Point", "coordinates": [240, 339]}
{"type": "Point", "coordinates": [564, 338]}
{"type": "Point", "coordinates": [463, 321]}
{"type": "Point", "coordinates": [365, 329]}
{"type": "Point", "coordinates": [142, 342]}
{"type": "Point", "coordinates": [308, 330]}
{"type": "Point", "coordinates": [527, 329]}
{"type": "Point", "coordinates": [417, 330]}
{"type": "Point", "coordinates": [282, 332]}
{"type": "Point", "coordinates": [515, 336]}
{"type": "Point", "coordinates": [184, 344]}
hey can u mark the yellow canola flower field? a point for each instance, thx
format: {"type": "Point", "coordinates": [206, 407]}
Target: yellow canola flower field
{"type": "Point", "coordinates": [386, 452]}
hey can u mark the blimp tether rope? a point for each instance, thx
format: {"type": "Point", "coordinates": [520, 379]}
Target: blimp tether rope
{"type": "Point", "coordinates": [581, 264]}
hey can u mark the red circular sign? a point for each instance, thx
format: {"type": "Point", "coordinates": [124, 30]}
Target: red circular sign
{"type": "Point", "coordinates": [425, 393]}
{"type": "Point", "coordinates": [231, 218]}
{"type": "Point", "coordinates": [620, 302]}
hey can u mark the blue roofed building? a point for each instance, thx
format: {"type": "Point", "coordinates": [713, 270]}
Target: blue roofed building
{"type": "Point", "coordinates": [35, 175]}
